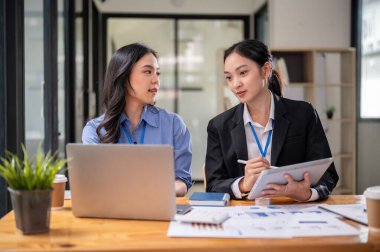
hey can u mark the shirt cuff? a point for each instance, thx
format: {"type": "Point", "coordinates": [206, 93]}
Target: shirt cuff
{"type": "Point", "coordinates": [314, 195]}
{"type": "Point", "coordinates": [235, 188]}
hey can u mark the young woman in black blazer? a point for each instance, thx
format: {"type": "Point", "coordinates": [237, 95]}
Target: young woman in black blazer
{"type": "Point", "coordinates": [265, 129]}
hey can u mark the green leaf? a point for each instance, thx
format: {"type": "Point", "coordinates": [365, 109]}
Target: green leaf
{"type": "Point", "coordinates": [30, 173]}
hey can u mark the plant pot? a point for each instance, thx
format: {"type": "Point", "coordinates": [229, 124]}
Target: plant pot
{"type": "Point", "coordinates": [32, 210]}
{"type": "Point", "coordinates": [329, 115]}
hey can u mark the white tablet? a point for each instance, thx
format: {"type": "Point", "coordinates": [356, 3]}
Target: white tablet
{"type": "Point", "coordinates": [276, 175]}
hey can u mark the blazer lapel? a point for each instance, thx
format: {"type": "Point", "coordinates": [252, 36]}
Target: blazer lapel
{"type": "Point", "coordinates": [281, 126]}
{"type": "Point", "coordinates": [238, 134]}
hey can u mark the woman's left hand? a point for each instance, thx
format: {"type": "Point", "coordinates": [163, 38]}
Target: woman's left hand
{"type": "Point", "coordinates": [298, 190]}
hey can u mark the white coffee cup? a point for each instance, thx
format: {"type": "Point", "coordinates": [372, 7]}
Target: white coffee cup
{"type": "Point", "coordinates": [372, 195]}
{"type": "Point", "coordinates": [58, 193]}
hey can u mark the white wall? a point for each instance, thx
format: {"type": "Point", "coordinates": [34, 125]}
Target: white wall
{"type": "Point", "coordinates": [309, 23]}
{"type": "Point", "coordinates": [368, 155]}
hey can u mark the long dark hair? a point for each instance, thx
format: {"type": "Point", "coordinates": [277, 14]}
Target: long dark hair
{"type": "Point", "coordinates": [259, 53]}
{"type": "Point", "coordinates": [114, 89]}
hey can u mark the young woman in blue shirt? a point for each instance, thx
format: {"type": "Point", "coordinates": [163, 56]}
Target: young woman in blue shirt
{"type": "Point", "coordinates": [130, 88]}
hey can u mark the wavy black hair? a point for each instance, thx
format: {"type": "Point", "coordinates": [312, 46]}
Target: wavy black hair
{"type": "Point", "coordinates": [114, 89]}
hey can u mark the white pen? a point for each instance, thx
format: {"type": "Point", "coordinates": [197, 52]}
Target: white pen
{"type": "Point", "coordinates": [245, 162]}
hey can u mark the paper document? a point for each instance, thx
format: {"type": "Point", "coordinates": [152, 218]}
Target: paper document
{"type": "Point", "coordinates": [307, 226]}
{"type": "Point", "coordinates": [273, 221]}
{"type": "Point", "coordinates": [68, 194]}
{"type": "Point", "coordinates": [286, 211]}
{"type": "Point", "coordinates": [355, 212]}
{"type": "Point", "coordinates": [182, 229]}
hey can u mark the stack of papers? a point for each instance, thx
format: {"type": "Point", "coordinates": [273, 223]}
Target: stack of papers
{"type": "Point", "coordinates": [202, 215]}
{"type": "Point", "coordinates": [355, 212]}
{"type": "Point", "coordinates": [273, 221]}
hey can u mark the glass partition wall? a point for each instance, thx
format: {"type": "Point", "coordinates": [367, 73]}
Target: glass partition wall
{"type": "Point", "coordinates": [34, 74]}
{"type": "Point", "coordinates": [155, 33]}
{"type": "Point", "coordinates": [201, 45]}
{"type": "Point", "coordinates": [191, 61]}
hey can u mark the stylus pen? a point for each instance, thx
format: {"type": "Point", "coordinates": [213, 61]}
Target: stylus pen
{"type": "Point", "coordinates": [245, 162]}
{"type": "Point", "coordinates": [242, 161]}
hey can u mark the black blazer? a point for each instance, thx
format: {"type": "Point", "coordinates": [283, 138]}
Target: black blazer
{"type": "Point", "coordinates": [298, 136]}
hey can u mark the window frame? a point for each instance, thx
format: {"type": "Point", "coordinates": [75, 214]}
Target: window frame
{"type": "Point", "coordinates": [356, 41]}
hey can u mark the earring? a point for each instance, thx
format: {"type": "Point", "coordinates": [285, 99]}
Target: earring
{"type": "Point", "coordinates": [265, 82]}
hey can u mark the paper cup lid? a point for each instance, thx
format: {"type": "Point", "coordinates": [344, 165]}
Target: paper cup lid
{"type": "Point", "coordinates": [60, 178]}
{"type": "Point", "coordinates": [372, 192]}
{"type": "Point", "coordinates": [263, 201]}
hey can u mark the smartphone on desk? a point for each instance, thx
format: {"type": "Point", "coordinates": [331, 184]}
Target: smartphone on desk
{"type": "Point", "coordinates": [183, 209]}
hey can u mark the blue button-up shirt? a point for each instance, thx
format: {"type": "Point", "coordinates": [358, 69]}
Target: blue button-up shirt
{"type": "Point", "coordinates": [162, 127]}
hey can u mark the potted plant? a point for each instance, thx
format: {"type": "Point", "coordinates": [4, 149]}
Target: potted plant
{"type": "Point", "coordinates": [330, 111]}
{"type": "Point", "coordinates": [29, 183]}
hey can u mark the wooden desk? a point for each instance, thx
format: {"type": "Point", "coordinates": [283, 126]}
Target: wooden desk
{"type": "Point", "coordinates": [68, 233]}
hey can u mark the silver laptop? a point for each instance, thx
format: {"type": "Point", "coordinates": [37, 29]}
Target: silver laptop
{"type": "Point", "coordinates": [122, 181]}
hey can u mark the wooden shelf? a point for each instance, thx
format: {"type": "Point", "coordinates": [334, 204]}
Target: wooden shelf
{"type": "Point", "coordinates": [337, 120]}
{"type": "Point", "coordinates": [326, 77]}
{"type": "Point", "coordinates": [301, 84]}
{"type": "Point", "coordinates": [342, 155]}
{"type": "Point", "coordinates": [339, 85]}
{"type": "Point", "coordinates": [342, 190]}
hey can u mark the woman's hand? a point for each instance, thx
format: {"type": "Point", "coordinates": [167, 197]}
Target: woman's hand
{"type": "Point", "coordinates": [252, 170]}
{"type": "Point", "coordinates": [298, 190]}
{"type": "Point", "coordinates": [180, 188]}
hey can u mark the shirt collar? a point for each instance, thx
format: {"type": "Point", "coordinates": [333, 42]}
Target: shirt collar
{"type": "Point", "coordinates": [247, 117]}
{"type": "Point", "coordinates": [149, 115]}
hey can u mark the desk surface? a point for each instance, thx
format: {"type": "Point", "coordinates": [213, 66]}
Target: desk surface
{"type": "Point", "coordinates": [68, 233]}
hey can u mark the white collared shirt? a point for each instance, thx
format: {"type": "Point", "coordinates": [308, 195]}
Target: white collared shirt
{"type": "Point", "coordinates": [262, 133]}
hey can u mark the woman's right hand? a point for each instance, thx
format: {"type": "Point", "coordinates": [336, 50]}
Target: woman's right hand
{"type": "Point", "coordinates": [252, 170]}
